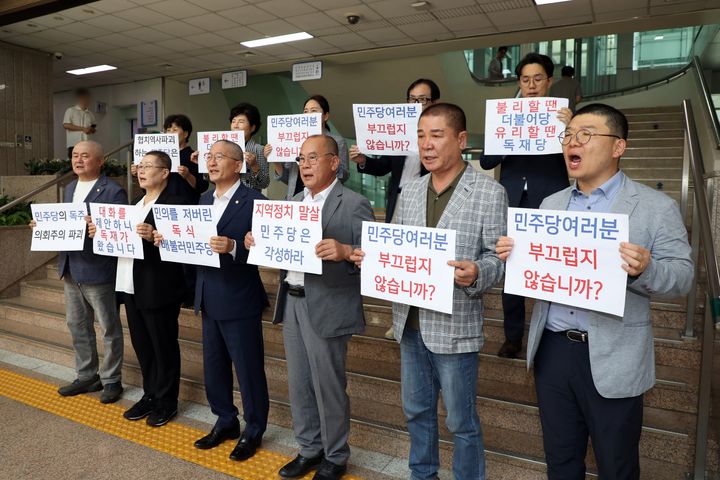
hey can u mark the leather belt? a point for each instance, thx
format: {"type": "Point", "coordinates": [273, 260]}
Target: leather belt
{"type": "Point", "coordinates": [295, 290]}
{"type": "Point", "coordinates": [576, 335]}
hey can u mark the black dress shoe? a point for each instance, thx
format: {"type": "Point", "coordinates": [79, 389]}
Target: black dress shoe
{"type": "Point", "coordinates": [300, 466]}
{"type": "Point", "coordinates": [329, 471]}
{"type": "Point", "coordinates": [245, 448]}
{"type": "Point", "coordinates": [81, 386]}
{"type": "Point", "coordinates": [111, 392]}
{"type": "Point", "coordinates": [160, 416]}
{"type": "Point", "coordinates": [141, 409]}
{"type": "Point", "coordinates": [217, 436]}
{"type": "Point", "coordinates": [510, 349]}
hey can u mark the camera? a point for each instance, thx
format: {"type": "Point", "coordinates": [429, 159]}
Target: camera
{"type": "Point", "coordinates": [58, 55]}
{"type": "Point", "coordinates": [352, 18]}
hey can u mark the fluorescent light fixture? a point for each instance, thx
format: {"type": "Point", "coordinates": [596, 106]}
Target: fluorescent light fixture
{"type": "Point", "coordinates": [545, 2]}
{"type": "Point", "coordinates": [95, 69]}
{"type": "Point", "coordinates": [292, 37]}
{"type": "Point", "coordinates": [659, 37]}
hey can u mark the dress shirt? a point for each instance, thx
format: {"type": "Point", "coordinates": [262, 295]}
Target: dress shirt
{"type": "Point", "coordinates": [219, 206]}
{"type": "Point", "coordinates": [124, 275]}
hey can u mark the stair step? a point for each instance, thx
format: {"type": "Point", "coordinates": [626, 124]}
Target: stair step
{"type": "Point", "coordinates": [652, 110]}
{"type": "Point", "coordinates": [640, 132]}
{"type": "Point", "coordinates": [649, 152]}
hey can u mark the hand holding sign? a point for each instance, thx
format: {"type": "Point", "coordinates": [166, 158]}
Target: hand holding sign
{"type": "Point", "coordinates": [636, 258]}
{"type": "Point", "coordinates": [387, 129]}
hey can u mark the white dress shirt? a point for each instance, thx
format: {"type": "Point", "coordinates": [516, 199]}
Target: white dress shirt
{"type": "Point", "coordinates": [82, 189]}
{"type": "Point", "coordinates": [82, 118]}
{"type": "Point", "coordinates": [298, 278]}
{"type": "Point", "coordinates": [124, 274]}
{"type": "Point", "coordinates": [220, 204]}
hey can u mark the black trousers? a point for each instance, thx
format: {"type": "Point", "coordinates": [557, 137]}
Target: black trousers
{"type": "Point", "coordinates": [154, 336]}
{"type": "Point", "coordinates": [514, 305]}
{"type": "Point", "coordinates": [571, 409]}
{"type": "Point", "coordinates": [238, 343]}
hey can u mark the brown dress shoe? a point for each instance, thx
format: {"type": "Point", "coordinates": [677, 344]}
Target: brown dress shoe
{"type": "Point", "coordinates": [510, 349]}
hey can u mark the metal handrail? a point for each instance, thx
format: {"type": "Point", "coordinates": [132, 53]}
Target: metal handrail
{"type": "Point", "coordinates": [55, 181]}
{"type": "Point", "coordinates": [707, 98]}
{"type": "Point", "coordinates": [643, 86]}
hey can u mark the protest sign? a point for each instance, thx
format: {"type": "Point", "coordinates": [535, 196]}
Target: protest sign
{"type": "Point", "coordinates": [408, 264]}
{"type": "Point", "coordinates": [59, 227]}
{"type": "Point", "coordinates": [186, 231]}
{"type": "Point", "coordinates": [164, 142]}
{"type": "Point", "coordinates": [523, 126]}
{"type": "Point", "coordinates": [205, 142]}
{"type": "Point", "coordinates": [568, 257]}
{"type": "Point", "coordinates": [387, 129]}
{"type": "Point", "coordinates": [286, 134]}
{"type": "Point", "coordinates": [116, 235]}
{"type": "Point", "coordinates": [286, 234]}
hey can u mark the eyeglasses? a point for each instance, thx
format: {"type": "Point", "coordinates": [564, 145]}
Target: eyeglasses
{"type": "Point", "coordinates": [144, 167]}
{"type": "Point", "coordinates": [312, 159]}
{"type": "Point", "coordinates": [535, 79]}
{"type": "Point", "coordinates": [420, 100]}
{"type": "Point", "coordinates": [582, 136]}
{"type": "Point", "coordinates": [219, 157]}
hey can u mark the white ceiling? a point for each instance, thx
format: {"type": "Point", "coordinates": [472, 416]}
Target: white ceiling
{"type": "Point", "coordinates": [152, 38]}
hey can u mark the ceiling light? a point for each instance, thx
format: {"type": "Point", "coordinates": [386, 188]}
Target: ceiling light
{"type": "Point", "coordinates": [419, 5]}
{"type": "Point", "coordinates": [659, 37]}
{"type": "Point", "coordinates": [545, 2]}
{"type": "Point", "coordinates": [275, 40]}
{"type": "Point", "coordinates": [95, 69]}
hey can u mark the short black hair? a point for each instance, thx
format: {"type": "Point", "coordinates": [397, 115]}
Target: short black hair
{"type": "Point", "coordinates": [434, 89]}
{"type": "Point", "coordinates": [614, 118]}
{"type": "Point", "coordinates": [251, 112]}
{"type": "Point", "coordinates": [503, 49]}
{"type": "Point", "coordinates": [182, 121]}
{"type": "Point", "coordinates": [164, 158]}
{"type": "Point", "coordinates": [454, 115]}
{"type": "Point", "coordinates": [567, 71]}
{"type": "Point", "coordinates": [542, 60]}
{"type": "Point", "coordinates": [82, 92]}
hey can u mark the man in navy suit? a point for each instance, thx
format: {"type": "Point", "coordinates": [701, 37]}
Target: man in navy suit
{"type": "Point", "coordinates": [232, 299]}
{"type": "Point", "coordinates": [528, 179]}
{"type": "Point", "coordinates": [89, 283]}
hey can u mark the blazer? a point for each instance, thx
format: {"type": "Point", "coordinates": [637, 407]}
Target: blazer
{"type": "Point", "coordinates": [335, 306]}
{"type": "Point", "coordinates": [477, 211]}
{"type": "Point", "coordinates": [234, 291]}
{"type": "Point", "coordinates": [622, 357]}
{"type": "Point", "coordinates": [544, 174]}
{"type": "Point", "coordinates": [157, 283]}
{"type": "Point", "coordinates": [382, 165]}
{"type": "Point", "coordinates": [84, 266]}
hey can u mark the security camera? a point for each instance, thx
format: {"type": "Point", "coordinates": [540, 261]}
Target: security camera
{"type": "Point", "coordinates": [352, 18]}
{"type": "Point", "coordinates": [58, 55]}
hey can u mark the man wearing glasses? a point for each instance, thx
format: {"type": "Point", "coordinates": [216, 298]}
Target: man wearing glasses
{"type": "Point", "coordinates": [319, 314]}
{"type": "Point", "coordinates": [232, 299]}
{"type": "Point", "coordinates": [592, 368]}
{"type": "Point", "coordinates": [528, 179]}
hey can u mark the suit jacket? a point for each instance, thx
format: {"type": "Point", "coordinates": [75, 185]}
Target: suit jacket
{"type": "Point", "coordinates": [477, 211]}
{"type": "Point", "coordinates": [157, 283]}
{"type": "Point", "coordinates": [234, 291]}
{"type": "Point", "coordinates": [333, 298]}
{"type": "Point", "coordinates": [392, 164]}
{"type": "Point", "coordinates": [544, 174]}
{"type": "Point", "coordinates": [84, 266]}
{"type": "Point", "coordinates": [622, 357]}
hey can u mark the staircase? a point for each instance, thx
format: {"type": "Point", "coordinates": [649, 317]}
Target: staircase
{"type": "Point", "coordinates": [33, 324]}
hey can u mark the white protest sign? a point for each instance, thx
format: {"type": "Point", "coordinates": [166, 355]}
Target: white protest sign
{"type": "Point", "coordinates": [186, 231]}
{"type": "Point", "coordinates": [407, 264]}
{"type": "Point", "coordinates": [116, 235]}
{"type": "Point", "coordinates": [387, 129]}
{"type": "Point", "coordinates": [59, 227]}
{"type": "Point", "coordinates": [286, 134]}
{"type": "Point", "coordinates": [205, 142]}
{"type": "Point", "coordinates": [164, 142]}
{"type": "Point", "coordinates": [568, 257]}
{"type": "Point", "coordinates": [523, 126]}
{"type": "Point", "coordinates": [286, 234]}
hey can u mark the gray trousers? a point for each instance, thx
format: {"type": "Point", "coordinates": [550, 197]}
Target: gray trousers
{"type": "Point", "coordinates": [84, 303]}
{"type": "Point", "coordinates": [316, 375]}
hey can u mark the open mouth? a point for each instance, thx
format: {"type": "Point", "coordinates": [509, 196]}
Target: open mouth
{"type": "Point", "coordinates": [574, 160]}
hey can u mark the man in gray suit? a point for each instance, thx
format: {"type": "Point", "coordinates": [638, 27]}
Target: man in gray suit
{"type": "Point", "coordinates": [438, 351]}
{"type": "Point", "coordinates": [320, 313]}
{"type": "Point", "coordinates": [592, 368]}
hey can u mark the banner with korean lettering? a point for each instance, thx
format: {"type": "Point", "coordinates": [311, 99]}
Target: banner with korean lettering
{"type": "Point", "coordinates": [286, 234]}
{"type": "Point", "coordinates": [59, 227]}
{"type": "Point", "coordinates": [165, 142]}
{"type": "Point", "coordinates": [116, 235]}
{"type": "Point", "coordinates": [186, 231]}
{"type": "Point", "coordinates": [387, 129]}
{"type": "Point", "coordinates": [205, 142]}
{"type": "Point", "coordinates": [566, 257]}
{"type": "Point", "coordinates": [523, 126]}
{"type": "Point", "coordinates": [408, 264]}
{"type": "Point", "coordinates": [286, 134]}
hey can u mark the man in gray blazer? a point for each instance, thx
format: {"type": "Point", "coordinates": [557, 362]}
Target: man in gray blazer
{"type": "Point", "coordinates": [439, 351]}
{"type": "Point", "coordinates": [320, 313]}
{"type": "Point", "coordinates": [592, 368]}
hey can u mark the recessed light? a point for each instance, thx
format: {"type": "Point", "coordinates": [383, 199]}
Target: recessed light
{"type": "Point", "coordinates": [420, 5]}
{"type": "Point", "coordinates": [292, 37]}
{"type": "Point", "coordinates": [659, 37]}
{"type": "Point", "coordinates": [545, 2]}
{"type": "Point", "coordinates": [95, 69]}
